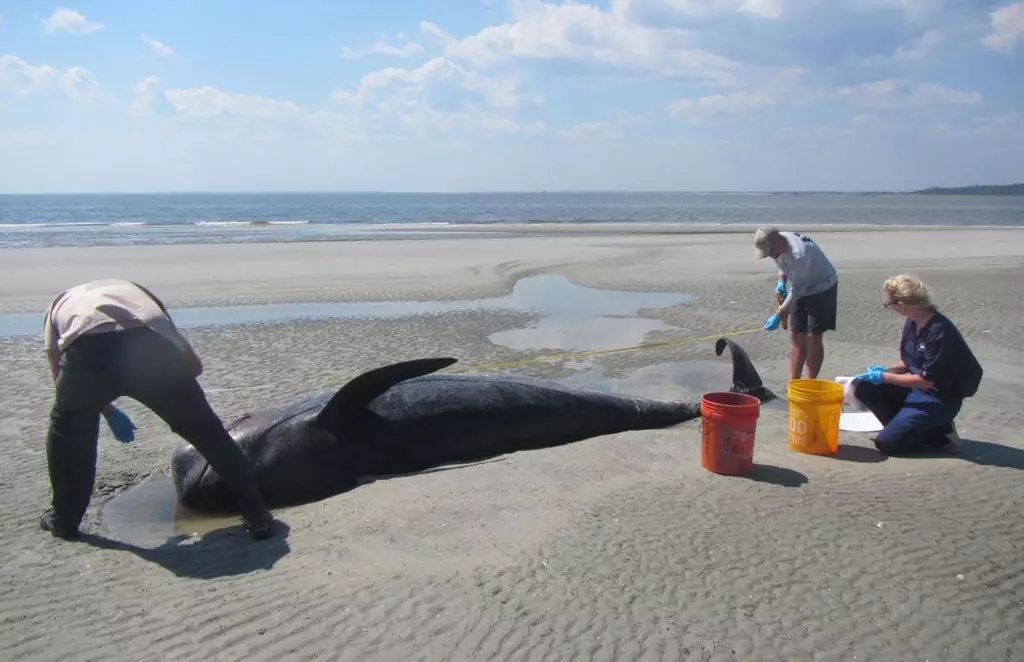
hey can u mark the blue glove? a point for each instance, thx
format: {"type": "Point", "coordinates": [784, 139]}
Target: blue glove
{"type": "Point", "coordinates": [120, 425]}
{"type": "Point", "coordinates": [780, 287]}
{"type": "Point", "coordinates": [773, 322]}
{"type": "Point", "coordinates": [872, 376]}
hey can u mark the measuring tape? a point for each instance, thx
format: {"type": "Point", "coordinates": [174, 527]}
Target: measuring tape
{"type": "Point", "coordinates": [551, 357]}
{"type": "Point", "coordinates": [597, 352]}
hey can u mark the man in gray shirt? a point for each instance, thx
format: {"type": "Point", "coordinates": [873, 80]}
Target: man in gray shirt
{"type": "Point", "coordinates": [111, 338]}
{"type": "Point", "coordinates": [812, 300]}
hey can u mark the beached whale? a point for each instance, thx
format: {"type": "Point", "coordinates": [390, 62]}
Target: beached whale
{"type": "Point", "coordinates": [406, 417]}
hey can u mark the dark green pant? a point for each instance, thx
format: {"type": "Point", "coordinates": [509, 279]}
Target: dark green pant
{"type": "Point", "coordinates": [143, 365]}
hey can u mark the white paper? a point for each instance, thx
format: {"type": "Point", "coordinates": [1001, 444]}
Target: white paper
{"type": "Point", "coordinates": [859, 421]}
{"type": "Point", "coordinates": [849, 399]}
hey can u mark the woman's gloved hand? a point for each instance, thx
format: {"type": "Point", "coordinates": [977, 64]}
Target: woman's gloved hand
{"type": "Point", "coordinates": [773, 322]}
{"type": "Point", "coordinates": [120, 425]}
{"type": "Point", "coordinates": [780, 287]}
{"type": "Point", "coordinates": [872, 376]}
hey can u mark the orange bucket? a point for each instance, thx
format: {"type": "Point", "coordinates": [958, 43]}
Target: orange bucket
{"type": "Point", "coordinates": [728, 427]}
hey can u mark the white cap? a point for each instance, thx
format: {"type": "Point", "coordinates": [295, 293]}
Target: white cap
{"type": "Point", "coordinates": [763, 240]}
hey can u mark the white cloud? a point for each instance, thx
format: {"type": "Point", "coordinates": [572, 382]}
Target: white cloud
{"type": "Point", "coordinates": [1008, 125]}
{"type": "Point", "coordinates": [208, 101]}
{"type": "Point", "coordinates": [768, 9]}
{"type": "Point", "coordinates": [70, 21]}
{"type": "Point", "coordinates": [411, 83]}
{"type": "Point", "coordinates": [773, 9]}
{"type": "Point", "coordinates": [735, 103]}
{"type": "Point", "coordinates": [584, 33]}
{"type": "Point", "coordinates": [921, 48]}
{"type": "Point", "coordinates": [819, 131]}
{"type": "Point", "coordinates": [437, 95]}
{"type": "Point", "coordinates": [20, 79]}
{"type": "Point", "coordinates": [27, 139]}
{"type": "Point", "coordinates": [1007, 28]}
{"type": "Point", "coordinates": [589, 130]}
{"type": "Point", "coordinates": [791, 90]}
{"type": "Point", "coordinates": [897, 93]}
{"type": "Point", "coordinates": [142, 103]}
{"type": "Point", "coordinates": [762, 8]}
{"type": "Point", "coordinates": [250, 117]}
{"type": "Point", "coordinates": [611, 129]}
{"type": "Point", "coordinates": [408, 49]}
{"type": "Point", "coordinates": [160, 48]}
{"type": "Point", "coordinates": [913, 9]}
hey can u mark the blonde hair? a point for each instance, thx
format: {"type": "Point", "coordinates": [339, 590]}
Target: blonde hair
{"type": "Point", "coordinates": [909, 290]}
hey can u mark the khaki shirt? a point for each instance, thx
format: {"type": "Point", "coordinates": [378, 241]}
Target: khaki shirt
{"type": "Point", "coordinates": [102, 306]}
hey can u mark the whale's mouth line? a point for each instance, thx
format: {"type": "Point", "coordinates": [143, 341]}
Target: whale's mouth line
{"type": "Point", "coordinates": [202, 474]}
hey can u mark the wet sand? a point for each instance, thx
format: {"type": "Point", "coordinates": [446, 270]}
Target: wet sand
{"type": "Point", "coordinates": [617, 548]}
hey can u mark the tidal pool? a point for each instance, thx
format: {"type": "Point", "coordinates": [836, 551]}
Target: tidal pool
{"type": "Point", "coordinates": [573, 317]}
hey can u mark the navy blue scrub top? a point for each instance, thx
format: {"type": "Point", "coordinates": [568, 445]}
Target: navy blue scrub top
{"type": "Point", "coordinates": [940, 354]}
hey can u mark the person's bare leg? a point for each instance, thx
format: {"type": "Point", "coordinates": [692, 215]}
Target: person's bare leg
{"type": "Point", "coordinates": [815, 354]}
{"type": "Point", "coordinates": [797, 354]}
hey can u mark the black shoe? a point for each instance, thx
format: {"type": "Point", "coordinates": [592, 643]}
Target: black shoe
{"type": "Point", "coordinates": [49, 523]}
{"type": "Point", "coordinates": [261, 532]}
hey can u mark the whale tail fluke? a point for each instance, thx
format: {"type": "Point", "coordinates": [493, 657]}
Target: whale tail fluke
{"type": "Point", "coordinates": [745, 378]}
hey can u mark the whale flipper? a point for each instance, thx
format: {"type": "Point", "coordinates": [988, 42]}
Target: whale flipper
{"type": "Point", "coordinates": [744, 375]}
{"type": "Point", "coordinates": [362, 390]}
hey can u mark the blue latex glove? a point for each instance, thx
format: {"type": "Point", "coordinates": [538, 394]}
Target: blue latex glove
{"type": "Point", "coordinates": [780, 287]}
{"type": "Point", "coordinates": [773, 322]}
{"type": "Point", "coordinates": [120, 425]}
{"type": "Point", "coordinates": [872, 376]}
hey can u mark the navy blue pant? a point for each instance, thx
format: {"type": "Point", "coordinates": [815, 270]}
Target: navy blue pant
{"type": "Point", "coordinates": [914, 420]}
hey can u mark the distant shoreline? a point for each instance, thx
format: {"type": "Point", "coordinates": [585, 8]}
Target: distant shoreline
{"type": "Point", "coordinates": [977, 189]}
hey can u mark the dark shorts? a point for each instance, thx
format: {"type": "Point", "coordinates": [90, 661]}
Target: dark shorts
{"type": "Point", "coordinates": [816, 313]}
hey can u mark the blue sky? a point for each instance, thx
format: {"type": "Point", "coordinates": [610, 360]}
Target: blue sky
{"type": "Point", "coordinates": [446, 95]}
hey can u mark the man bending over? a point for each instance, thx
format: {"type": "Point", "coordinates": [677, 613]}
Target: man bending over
{"type": "Point", "coordinates": [110, 338]}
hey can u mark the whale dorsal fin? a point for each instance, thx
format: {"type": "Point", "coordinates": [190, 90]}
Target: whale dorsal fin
{"type": "Point", "coordinates": [363, 389]}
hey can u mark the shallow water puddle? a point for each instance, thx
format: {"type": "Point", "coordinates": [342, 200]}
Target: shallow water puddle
{"type": "Point", "coordinates": [148, 514]}
{"type": "Point", "coordinates": [666, 381]}
{"type": "Point", "coordinates": [548, 295]}
{"type": "Point", "coordinates": [677, 380]}
{"type": "Point", "coordinates": [579, 333]}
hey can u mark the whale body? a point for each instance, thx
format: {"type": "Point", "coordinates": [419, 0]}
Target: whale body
{"type": "Point", "coordinates": [406, 417]}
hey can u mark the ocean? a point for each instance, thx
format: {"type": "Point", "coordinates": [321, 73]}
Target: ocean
{"type": "Point", "coordinates": [176, 218]}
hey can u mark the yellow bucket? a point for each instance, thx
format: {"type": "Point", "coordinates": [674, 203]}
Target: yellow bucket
{"type": "Point", "coordinates": [814, 409]}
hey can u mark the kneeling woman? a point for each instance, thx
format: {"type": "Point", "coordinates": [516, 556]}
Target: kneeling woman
{"type": "Point", "coordinates": [918, 399]}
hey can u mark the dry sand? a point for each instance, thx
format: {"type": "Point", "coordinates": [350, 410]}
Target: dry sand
{"type": "Point", "coordinates": [617, 548]}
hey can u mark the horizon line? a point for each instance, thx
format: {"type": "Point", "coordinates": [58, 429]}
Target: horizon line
{"type": "Point", "coordinates": [463, 192]}
{"type": "Point", "coordinates": [506, 191]}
